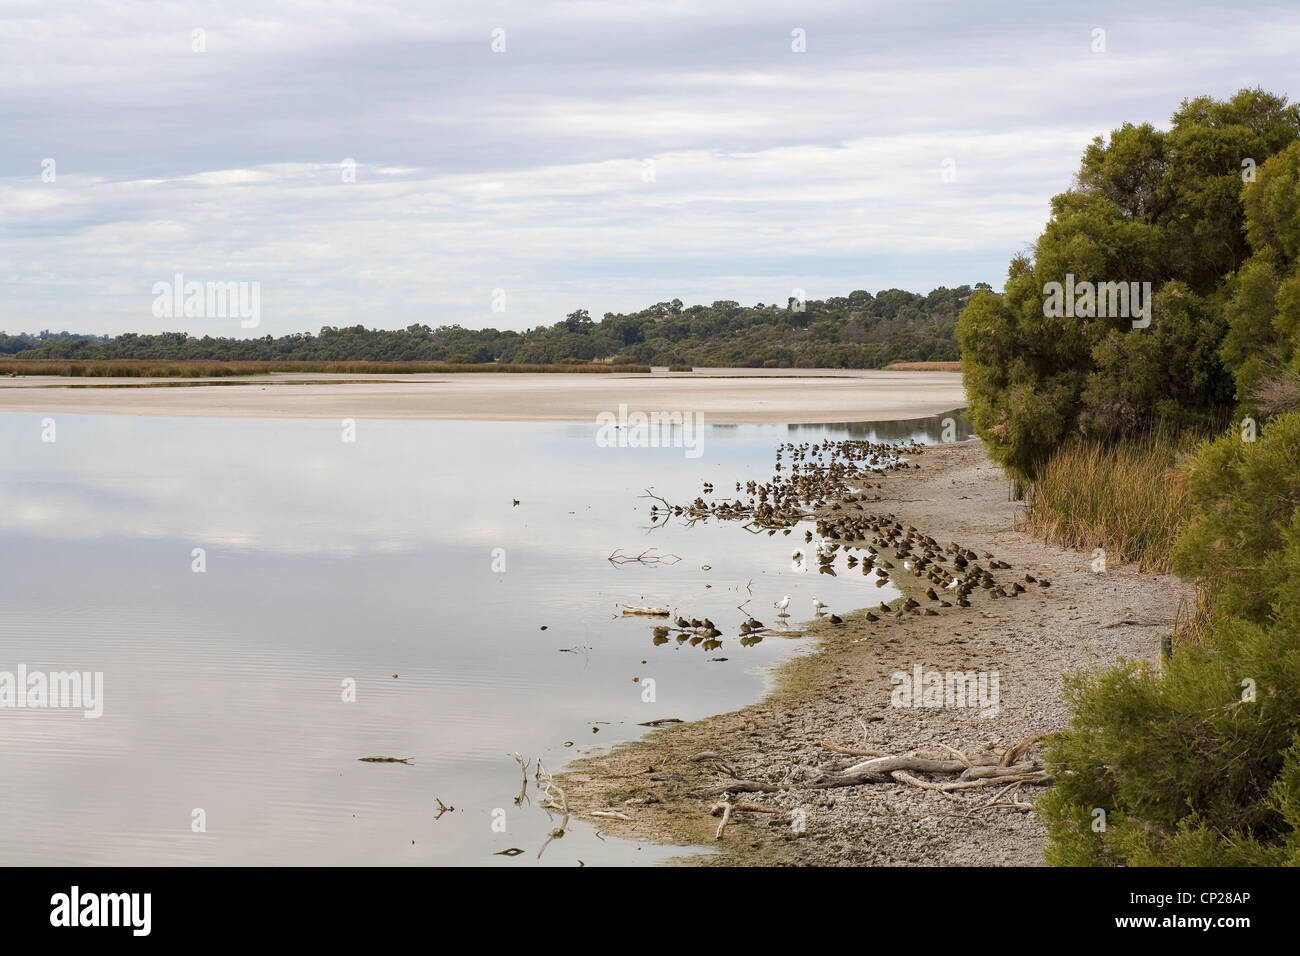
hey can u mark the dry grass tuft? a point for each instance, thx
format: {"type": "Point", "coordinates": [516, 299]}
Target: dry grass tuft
{"type": "Point", "coordinates": [1128, 499]}
{"type": "Point", "coordinates": [924, 367]}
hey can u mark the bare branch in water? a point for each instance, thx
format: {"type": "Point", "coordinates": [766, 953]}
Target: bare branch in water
{"type": "Point", "coordinates": [618, 559]}
{"type": "Point", "coordinates": [523, 791]}
{"type": "Point", "coordinates": [550, 790]}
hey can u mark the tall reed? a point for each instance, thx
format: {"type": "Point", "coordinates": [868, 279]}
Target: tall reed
{"type": "Point", "coordinates": [1128, 499]}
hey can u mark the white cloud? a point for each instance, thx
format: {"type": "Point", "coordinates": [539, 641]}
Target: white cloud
{"type": "Point", "coordinates": [525, 170]}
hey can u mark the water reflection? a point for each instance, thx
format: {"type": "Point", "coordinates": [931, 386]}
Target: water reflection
{"type": "Point", "coordinates": [933, 430]}
{"type": "Point", "coordinates": [381, 597]}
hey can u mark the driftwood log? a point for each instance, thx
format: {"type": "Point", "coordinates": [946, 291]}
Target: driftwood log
{"type": "Point", "coordinates": [958, 770]}
{"type": "Point", "coordinates": [945, 773]}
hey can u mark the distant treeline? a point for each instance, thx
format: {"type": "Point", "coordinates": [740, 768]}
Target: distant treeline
{"type": "Point", "coordinates": [185, 368]}
{"type": "Point", "coordinates": [854, 331]}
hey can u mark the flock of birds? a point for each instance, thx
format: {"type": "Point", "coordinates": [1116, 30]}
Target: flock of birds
{"type": "Point", "coordinates": [953, 572]}
{"type": "Point", "coordinates": [704, 634]}
{"type": "Point", "coordinates": [818, 480]}
{"type": "Point", "coordinates": [814, 475]}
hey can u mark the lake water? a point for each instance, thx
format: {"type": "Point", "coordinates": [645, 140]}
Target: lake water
{"type": "Point", "coordinates": [328, 568]}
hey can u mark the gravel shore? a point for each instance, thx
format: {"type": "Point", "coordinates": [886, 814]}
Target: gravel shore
{"type": "Point", "coordinates": [841, 695]}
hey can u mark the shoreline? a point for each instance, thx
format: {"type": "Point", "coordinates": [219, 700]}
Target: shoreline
{"type": "Point", "coordinates": [839, 694]}
{"type": "Point", "coordinates": [746, 397]}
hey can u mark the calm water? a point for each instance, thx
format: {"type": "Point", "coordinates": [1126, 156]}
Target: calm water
{"type": "Point", "coordinates": [333, 564]}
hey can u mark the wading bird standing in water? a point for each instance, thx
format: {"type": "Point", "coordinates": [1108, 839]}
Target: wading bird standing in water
{"type": "Point", "coordinates": [782, 604]}
{"type": "Point", "coordinates": [818, 607]}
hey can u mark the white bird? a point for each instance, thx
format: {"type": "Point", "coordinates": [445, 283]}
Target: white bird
{"type": "Point", "coordinates": [953, 586]}
{"type": "Point", "coordinates": [818, 606]}
{"type": "Point", "coordinates": [782, 604]}
{"type": "Point", "coordinates": [907, 565]}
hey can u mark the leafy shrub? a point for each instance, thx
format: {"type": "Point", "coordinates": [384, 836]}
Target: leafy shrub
{"type": "Point", "coordinates": [1197, 762]}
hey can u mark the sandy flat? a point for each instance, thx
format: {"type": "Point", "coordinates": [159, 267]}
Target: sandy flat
{"type": "Point", "coordinates": [721, 396]}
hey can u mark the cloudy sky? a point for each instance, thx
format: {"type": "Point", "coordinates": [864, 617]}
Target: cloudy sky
{"type": "Point", "coordinates": [605, 155]}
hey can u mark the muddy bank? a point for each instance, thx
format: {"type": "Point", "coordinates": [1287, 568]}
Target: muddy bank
{"type": "Point", "coordinates": [841, 695]}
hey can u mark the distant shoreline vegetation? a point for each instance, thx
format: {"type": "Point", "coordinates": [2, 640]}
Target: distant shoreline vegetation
{"type": "Point", "coordinates": [859, 330]}
{"type": "Point", "coordinates": [156, 368]}
{"type": "Point", "coordinates": [924, 367]}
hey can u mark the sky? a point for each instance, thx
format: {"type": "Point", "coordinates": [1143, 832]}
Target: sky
{"type": "Point", "coordinates": [504, 162]}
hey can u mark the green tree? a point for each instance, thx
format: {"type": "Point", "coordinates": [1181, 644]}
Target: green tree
{"type": "Point", "coordinates": [1149, 206]}
{"type": "Point", "coordinates": [1264, 309]}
